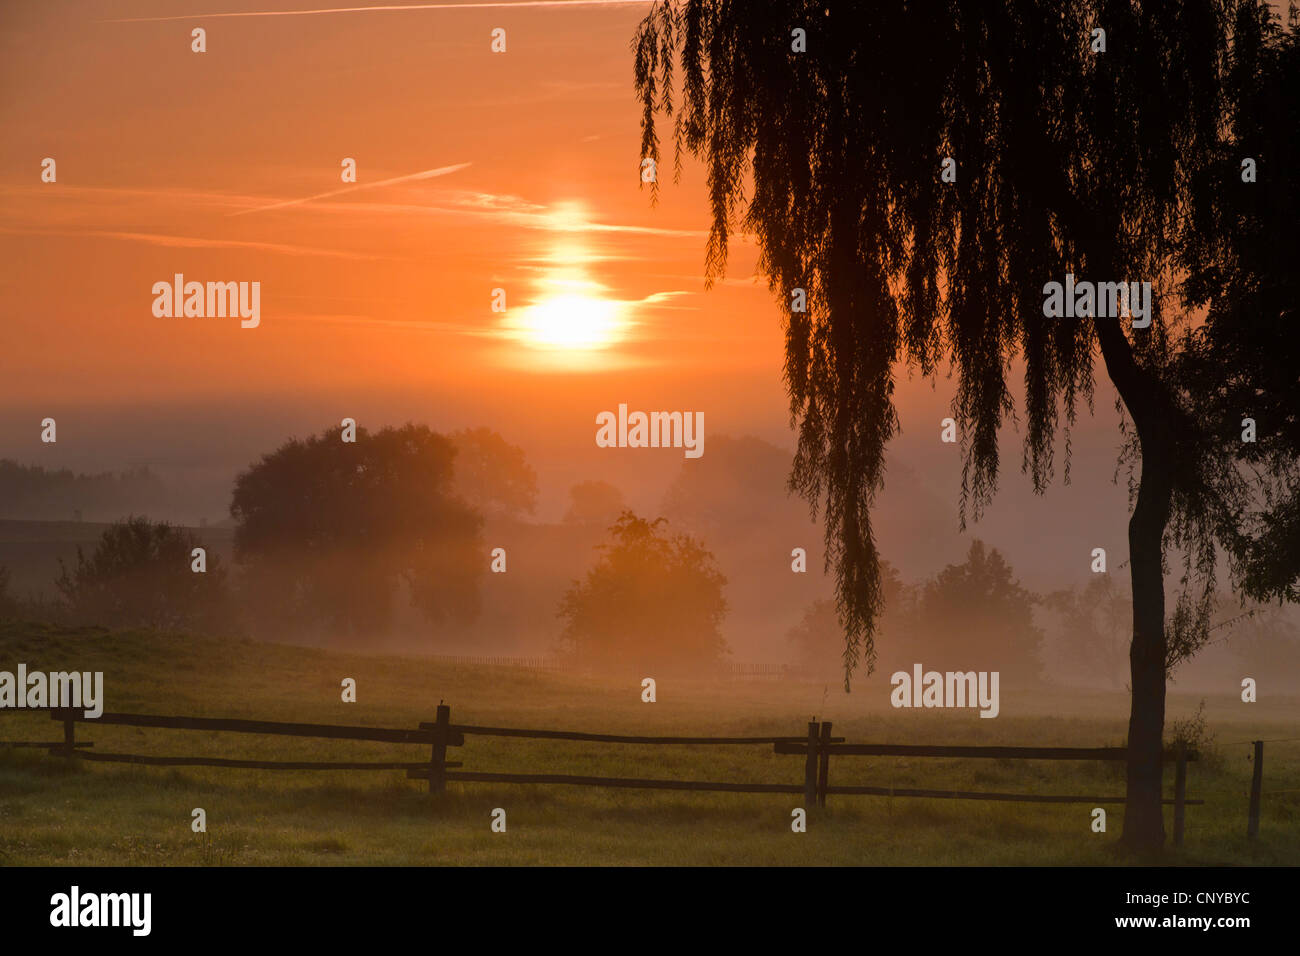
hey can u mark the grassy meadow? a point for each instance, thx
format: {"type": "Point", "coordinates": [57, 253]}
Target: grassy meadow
{"type": "Point", "coordinates": [53, 811]}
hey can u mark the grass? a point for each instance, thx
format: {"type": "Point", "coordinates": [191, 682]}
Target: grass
{"type": "Point", "coordinates": [53, 811]}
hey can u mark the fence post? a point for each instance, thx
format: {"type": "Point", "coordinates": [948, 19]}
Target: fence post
{"type": "Point", "coordinates": [438, 760]}
{"type": "Point", "coordinates": [1256, 784]}
{"type": "Point", "coordinates": [810, 768]}
{"type": "Point", "coordinates": [824, 764]}
{"type": "Point", "coordinates": [1180, 792]}
{"type": "Point", "coordinates": [69, 730]}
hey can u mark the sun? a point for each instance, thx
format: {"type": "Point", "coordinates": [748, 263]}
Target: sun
{"type": "Point", "coordinates": [572, 322]}
{"type": "Point", "coordinates": [572, 318]}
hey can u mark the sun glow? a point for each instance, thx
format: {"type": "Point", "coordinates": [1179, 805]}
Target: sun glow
{"type": "Point", "coordinates": [571, 314]}
{"type": "Point", "coordinates": [571, 321]}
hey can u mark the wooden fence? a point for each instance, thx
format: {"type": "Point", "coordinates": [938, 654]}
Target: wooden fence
{"type": "Point", "coordinates": [820, 747]}
{"type": "Point", "coordinates": [817, 747]}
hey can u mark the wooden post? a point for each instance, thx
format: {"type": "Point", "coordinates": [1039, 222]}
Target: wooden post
{"type": "Point", "coordinates": [438, 760]}
{"type": "Point", "coordinates": [1180, 793]}
{"type": "Point", "coordinates": [824, 764]}
{"type": "Point", "coordinates": [1256, 784]}
{"type": "Point", "coordinates": [810, 768]}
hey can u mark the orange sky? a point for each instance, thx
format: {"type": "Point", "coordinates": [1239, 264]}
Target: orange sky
{"type": "Point", "coordinates": [375, 300]}
{"type": "Point", "coordinates": [166, 158]}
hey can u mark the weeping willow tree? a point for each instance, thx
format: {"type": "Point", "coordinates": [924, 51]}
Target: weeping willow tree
{"type": "Point", "coordinates": [824, 128]}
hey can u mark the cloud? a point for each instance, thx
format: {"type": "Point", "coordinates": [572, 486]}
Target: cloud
{"type": "Point", "coordinates": [194, 242]}
{"type": "Point", "coordinates": [169, 196]}
{"type": "Point", "coordinates": [754, 281]}
{"type": "Point", "coordinates": [512, 211]}
{"type": "Point", "coordinates": [410, 325]}
{"type": "Point", "coordinates": [660, 298]}
{"type": "Point", "coordinates": [391, 8]}
{"type": "Point", "coordinates": [410, 177]}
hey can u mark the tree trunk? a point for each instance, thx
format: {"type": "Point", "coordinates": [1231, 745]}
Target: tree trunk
{"type": "Point", "coordinates": [1155, 418]}
{"type": "Point", "coordinates": [1143, 815]}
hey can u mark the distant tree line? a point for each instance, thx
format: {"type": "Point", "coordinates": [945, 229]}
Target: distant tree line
{"type": "Point", "coordinates": [36, 493]}
{"type": "Point", "coordinates": [968, 616]}
{"type": "Point", "coordinates": [327, 534]}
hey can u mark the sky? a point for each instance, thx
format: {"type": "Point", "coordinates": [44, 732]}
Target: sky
{"type": "Point", "coordinates": [476, 171]}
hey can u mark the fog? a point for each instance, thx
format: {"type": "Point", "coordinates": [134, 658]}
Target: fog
{"type": "Point", "coordinates": [180, 464]}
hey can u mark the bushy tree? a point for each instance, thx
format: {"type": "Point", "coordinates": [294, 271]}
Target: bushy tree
{"type": "Point", "coordinates": [653, 600]}
{"type": "Point", "coordinates": [976, 616]}
{"type": "Point", "coordinates": [140, 575]}
{"type": "Point", "coordinates": [328, 530]}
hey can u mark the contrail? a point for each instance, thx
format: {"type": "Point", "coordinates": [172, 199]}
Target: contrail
{"type": "Point", "coordinates": [426, 174]}
{"type": "Point", "coordinates": [191, 242]}
{"type": "Point", "coordinates": [391, 8]}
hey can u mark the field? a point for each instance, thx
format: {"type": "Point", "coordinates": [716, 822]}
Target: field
{"type": "Point", "coordinates": [53, 812]}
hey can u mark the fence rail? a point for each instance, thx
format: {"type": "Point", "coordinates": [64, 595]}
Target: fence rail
{"type": "Point", "coordinates": [728, 670]}
{"type": "Point", "coordinates": [817, 747]}
{"type": "Point", "coordinates": [925, 750]}
{"type": "Point", "coordinates": [535, 663]}
{"type": "Point", "coordinates": [276, 727]}
{"type": "Point", "coordinates": [619, 739]}
{"type": "Point", "coordinates": [630, 783]}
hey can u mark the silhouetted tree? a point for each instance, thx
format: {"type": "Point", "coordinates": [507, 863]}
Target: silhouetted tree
{"type": "Point", "coordinates": [594, 503]}
{"type": "Point", "coordinates": [1068, 161]}
{"type": "Point", "coordinates": [327, 530]}
{"type": "Point", "coordinates": [976, 616]}
{"type": "Point", "coordinates": [652, 600]}
{"type": "Point", "coordinates": [492, 474]}
{"type": "Point", "coordinates": [140, 575]}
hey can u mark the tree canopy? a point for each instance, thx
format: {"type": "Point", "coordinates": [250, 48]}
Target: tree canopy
{"type": "Point", "coordinates": [140, 574]}
{"type": "Point", "coordinates": [1241, 251]}
{"type": "Point", "coordinates": [653, 599]}
{"type": "Point", "coordinates": [329, 529]}
{"type": "Point", "coordinates": [975, 615]}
